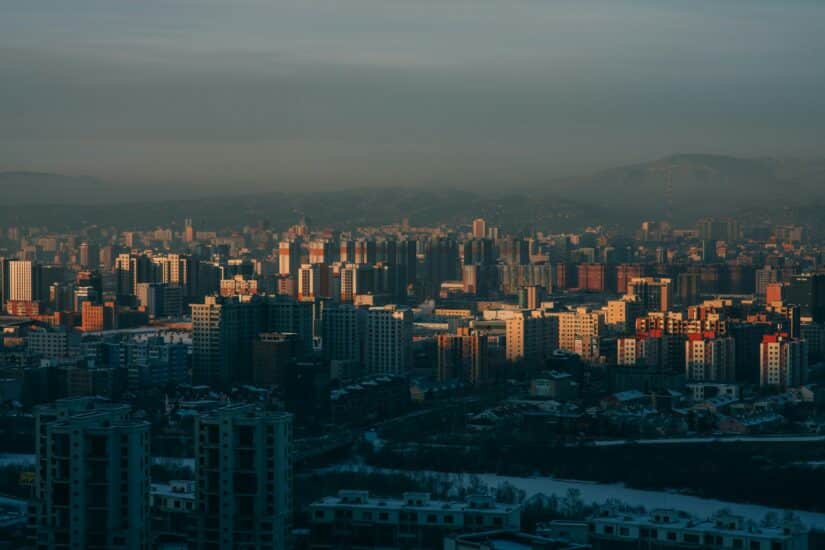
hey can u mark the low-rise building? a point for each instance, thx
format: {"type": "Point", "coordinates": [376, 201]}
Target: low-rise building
{"type": "Point", "coordinates": [356, 520]}
{"type": "Point", "coordinates": [751, 424]}
{"type": "Point", "coordinates": [672, 530]}
{"type": "Point", "coordinates": [555, 385]}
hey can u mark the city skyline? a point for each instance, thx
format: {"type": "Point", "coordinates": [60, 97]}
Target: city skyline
{"type": "Point", "coordinates": [412, 275]}
{"type": "Point", "coordinates": [246, 369]}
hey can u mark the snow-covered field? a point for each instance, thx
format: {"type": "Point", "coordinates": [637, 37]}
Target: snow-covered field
{"type": "Point", "coordinates": [10, 459]}
{"type": "Point", "coordinates": [720, 439]}
{"type": "Point", "coordinates": [599, 492]}
{"type": "Point", "coordinates": [591, 492]}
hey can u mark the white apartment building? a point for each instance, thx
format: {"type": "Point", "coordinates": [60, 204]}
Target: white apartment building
{"type": "Point", "coordinates": [388, 344]}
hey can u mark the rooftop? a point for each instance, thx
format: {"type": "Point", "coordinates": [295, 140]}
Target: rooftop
{"type": "Point", "coordinates": [412, 501]}
{"type": "Point", "coordinates": [720, 523]}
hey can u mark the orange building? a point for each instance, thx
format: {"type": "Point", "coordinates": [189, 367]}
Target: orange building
{"type": "Point", "coordinates": [23, 308]}
{"type": "Point", "coordinates": [774, 292]}
{"type": "Point", "coordinates": [597, 277]}
{"type": "Point", "coordinates": [626, 273]}
{"type": "Point", "coordinates": [96, 318]}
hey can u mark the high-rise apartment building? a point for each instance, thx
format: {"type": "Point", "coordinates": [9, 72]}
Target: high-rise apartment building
{"type": "Point", "coordinates": [62, 296]}
{"type": "Point", "coordinates": [672, 322]}
{"type": "Point", "coordinates": [89, 255]}
{"type": "Point", "coordinates": [513, 251]}
{"type": "Point", "coordinates": [286, 314]}
{"type": "Point", "coordinates": [764, 277]}
{"type": "Point", "coordinates": [406, 262]}
{"type": "Point", "coordinates": [92, 476]}
{"type": "Point", "coordinates": [238, 286]}
{"type": "Point", "coordinates": [129, 271]}
{"type": "Point", "coordinates": [596, 277]}
{"type": "Point", "coordinates": [441, 263]}
{"type": "Point", "coordinates": [173, 269]}
{"type": "Point", "coordinates": [620, 315]}
{"type": "Point", "coordinates": [343, 333]}
{"type": "Point", "coordinates": [322, 252]}
{"type": "Point", "coordinates": [189, 232]}
{"type": "Point", "coordinates": [652, 293]}
{"type": "Point", "coordinates": [530, 296]}
{"type": "Point", "coordinates": [365, 251]}
{"type": "Point", "coordinates": [223, 330]}
{"type": "Point", "coordinates": [123, 274]}
{"type": "Point", "coordinates": [313, 281]}
{"type": "Point", "coordinates": [471, 279]}
{"type": "Point", "coordinates": [808, 292]}
{"type": "Point", "coordinates": [478, 252]}
{"type": "Point", "coordinates": [44, 277]}
{"type": "Point", "coordinates": [479, 228]}
{"type": "Point", "coordinates": [530, 335]}
{"type": "Point", "coordinates": [149, 296]}
{"type": "Point", "coordinates": [90, 278]}
{"type": "Point", "coordinates": [106, 258]}
{"type": "Point", "coordinates": [243, 469]}
{"type": "Point", "coordinates": [643, 349]}
{"type": "Point", "coordinates": [710, 358]}
{"type": "Point", "coordinates": [354, 279]}
{"type": "Point", "coordinates": [463, 356]}
{"type": "Point", "coordinates": [718, 230]}
{"type": "Point", "coordinates": [4, 282]}
{"type": "Point", "coordinates": [783, 361]}
{"type": "Point", "coordinates": [273, 353]}
{"type": "Point", "coordinates": [289, 257]}
{"type": "Point", "coordinates": [580, 332]}
{"type": "Point", "coordinates": [626, 273]}
{"type": "Point", "coordinates": [160, 299]}
{"type": "Point", "coordinates": [23, 281]}
{"type": "Point", "coordinates": [385, 282]}
{"type": "Point", "coordinates": [150, 362]}
{"type": "Point", "coordinates": [346, 251]}
{"type": "Point", "coordinates": [687, 288]}
{"type": "Point", "coordinates": [97, 318]}
{"type": "Point", "coordinates": [388, 345]}
{"type": "Point", "coordinates": [775, 293]}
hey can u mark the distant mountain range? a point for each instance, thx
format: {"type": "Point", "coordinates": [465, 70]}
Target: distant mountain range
{"type": "Point", "coordinates": [691, 185]}
{"type": "Point", "coordinates": [682, 187]}
{"type": "Point", "coordinates": [44, 188]}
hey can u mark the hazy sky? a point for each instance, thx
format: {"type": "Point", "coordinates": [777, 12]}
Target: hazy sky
{"type": "Point", "coordinates": [398, 91]}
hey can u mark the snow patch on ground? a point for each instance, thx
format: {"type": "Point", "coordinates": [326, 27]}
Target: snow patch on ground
{"type": "Point", "coordinates": [598, 493]}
